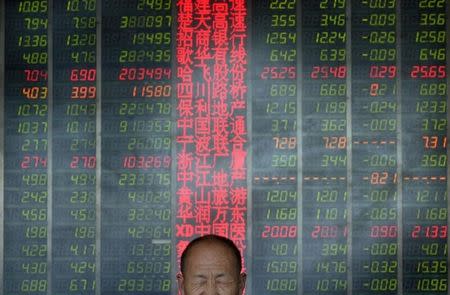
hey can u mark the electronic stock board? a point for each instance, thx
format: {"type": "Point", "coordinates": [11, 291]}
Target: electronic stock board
{"type": "Point", "coordinates": [312, 133]}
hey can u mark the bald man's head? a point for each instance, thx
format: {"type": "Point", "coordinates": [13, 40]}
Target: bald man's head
{"type": "Point", "coordinates": [212, 239]}
{"type": "Point", "coordinates": [211, 265]}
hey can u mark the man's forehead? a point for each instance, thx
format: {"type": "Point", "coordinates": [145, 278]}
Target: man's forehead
{"type": "Point", "coordinates": [208, 253]}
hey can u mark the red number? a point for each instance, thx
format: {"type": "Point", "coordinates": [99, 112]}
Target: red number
{"type": "Point", "coordinates": [428, 72]}
{"type": "Point", "coordinates": [383, 231]}
{"type": "Point", "coordinates": [279, 231]}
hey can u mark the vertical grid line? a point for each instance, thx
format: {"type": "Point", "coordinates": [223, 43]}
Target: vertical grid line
{"type": "Point", "coordinates": [249, 221]}
{"type": "Point", "coordinates": [447, 61]}
{"type": "Point", "coordinates": [300, 231]}
{"type": "Point", "coordinates": [2, 138]}
{"type": "Point", "coordinates": [98, 148]}
{"type": "Point", "coordinates": [50, 100]}
{"type": "Point", "coordinates": [173, 180]}
{"type": "Point", "coordinates": [348, 58]}
{"type": "Point", "coordinates": [398, 94]}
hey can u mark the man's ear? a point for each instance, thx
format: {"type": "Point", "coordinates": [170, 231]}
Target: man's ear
{"type": "Point", "coordinates": [242, 278]}
{"type": "Point", "coordinates": [180, 281]}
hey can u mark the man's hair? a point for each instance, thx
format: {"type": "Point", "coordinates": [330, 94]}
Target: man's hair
{"type": "Point", "coordinates": [212, 238]}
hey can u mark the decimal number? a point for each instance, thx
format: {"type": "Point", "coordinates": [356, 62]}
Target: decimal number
{"type": "Point", "coordinates": [145, 126]}
{"type": "Point", "coordinates": [141, 74]}
{"type": "Point", "coordinates": [155, 38]}
{"type": "Point", "coordinates": [434, 161]}
{"type": "Point", "coordinates": [149, 197]}
{"type": "Point", "coordinates": [279, 55]}
{"type": "Point", "coordinates": [157, 55]}
{"type": "Point", "coordinates": [35, 179]}
{"type": "Point", "coordinates": [331, 107]}
{"type": "Point", "coordinates": [135, 179]}
{"type": "Point", "coordinates": [149, 232]}
{"type": "Point", "coordinates": [283, 20]}
{"type": "Point", "coordinates": [283, 125]}
{"type": "Point", "coordinates": [331, 285]}
{"type": "Point", "coordinates": [281, 38]}
{"type": "Point", "coordinates": [432, 19]}
{"type": "Point", "coordinates": [432, 54]}
{"type": "Point", "coordinates": [34, 250]}
{"type": "Point", "coordinates": [334, 249]}
{"type": "Point", "coordinates": [334, 161]}
{"type": "Point", "coordinates": [430, 37]}
{"type": "Point", "coordinates": [429, 284]}
{"type": "Point", "coordinates": [145, 21]}
{"type": "Point", "coordinates": [35, 197]}
{"type": "Point", "coordinates": [146, 162]}
{"type": "Point", "coordinates": [83, 92]}
{"type": "Point", "coordinates": [434, 124]}
{"type": "Point", "coordinates": [282, 4]}
{"type": "Point", "coordinates": [333, 4]}
{"type": "Point", "coordinates": [36, 23]}
{"type": "Point", "coordinates": [26, 110]}
{"type": "Point", "coordinates": [275, 107]}
{"type": "Point", "coordinates": [431, 267]}
{"type": "Point", "coordinates": [34, 145]}
{"type": "Point", "coordinates": [154, 5]}
{"type": "Point", "coordinates": [33, 285]}
{"type": "Point", "coordinates": [284, 161]}
{"type": "Point", "coordinates": [383, 266]}
{"type": "Point", "coordinates": [148, 267]}
{"type": "Point", "coordinates": [432, 3]}
{"type": "Point", "coordinates": [276, 266]}
{"type": "Point", "coordinates": [283, 214]}
{"type": "Point", "coordinates": [149, 143]}
{"type": "Point", "coordinates": [145, 108]}
{"type": "Point", "coordinates": [326, 72]}
{"type": "Point", "coordinates": [277, 90]}
{"type": "Point", "coordinates": [331, 37]}
{"type": "Point", "coordinates": [148, 249]}
{"type": "Point", "coordinates": [383, 249]}
{"type": "Point", "coordinates": [35, 58]}
{"type": "Point", "coordinates": [34, 214]}
{"type": "Point", "coordinates": [431, 89]}
{"type": "Point", "coordinates": [285, 143]}
{"type": "Point", "coordinates": [431, 213]}
{"type": "Point", "coordinates": [83, 179]}
{"type": "Point", "coordinates": [278, 73]}
{"type": "Point", "coordinates": [331, 196]}
{"type": "Point", "coordinates": [149, 214]}
{"type": "Point", "coordinates": [281, 196]}
{"type": "Point", "coordinates": [83, 5]}
{"type": "Point", "coordinates": [333, 89]}
{"type": "Point", "coordinates": [381, 37]}
{"type": "Point", "coordinates": [428, 72]}
{"type": "Point", "coordinates": [434, 249]}
{"type": "Point", "coordinates": [382, 19]}
{"type": "Point", "coordinates": [332, 54]}
{"type": "Point", "coordinates": [33, 6]}
{"type": "Point", "coordinates": [328, 125]}
{"type": "Point", "coordinates": [35, 92]}
{"type": "Point", "coordinates": [429, 232]}
{"type": "Point", "coordinates": [32, 41]}
{"type": "Point", "coordinates": [380, 3]}
{"type": "Point", "coordinates": [279, 231]}
{"type": "Point", "coordinates": [141, 285]}
{"type": "Point", "coordinates": [382, 54]}
{"type": "Point", "coordinates": [332, 20]}
{"type": "Point", "coordinates": [84, 22]}
{"type": "Point", "coordinates": [434, 142]}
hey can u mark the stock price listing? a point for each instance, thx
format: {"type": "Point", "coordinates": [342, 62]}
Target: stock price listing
{"type": "Point", "coordinates": [311, 133]}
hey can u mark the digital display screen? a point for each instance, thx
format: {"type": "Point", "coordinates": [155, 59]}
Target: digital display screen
{"type": "Point", "coordinates": [311, 133]}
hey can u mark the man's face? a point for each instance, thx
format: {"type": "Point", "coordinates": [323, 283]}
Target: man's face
{"type": "Point", "coordinates": [211, 269]}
